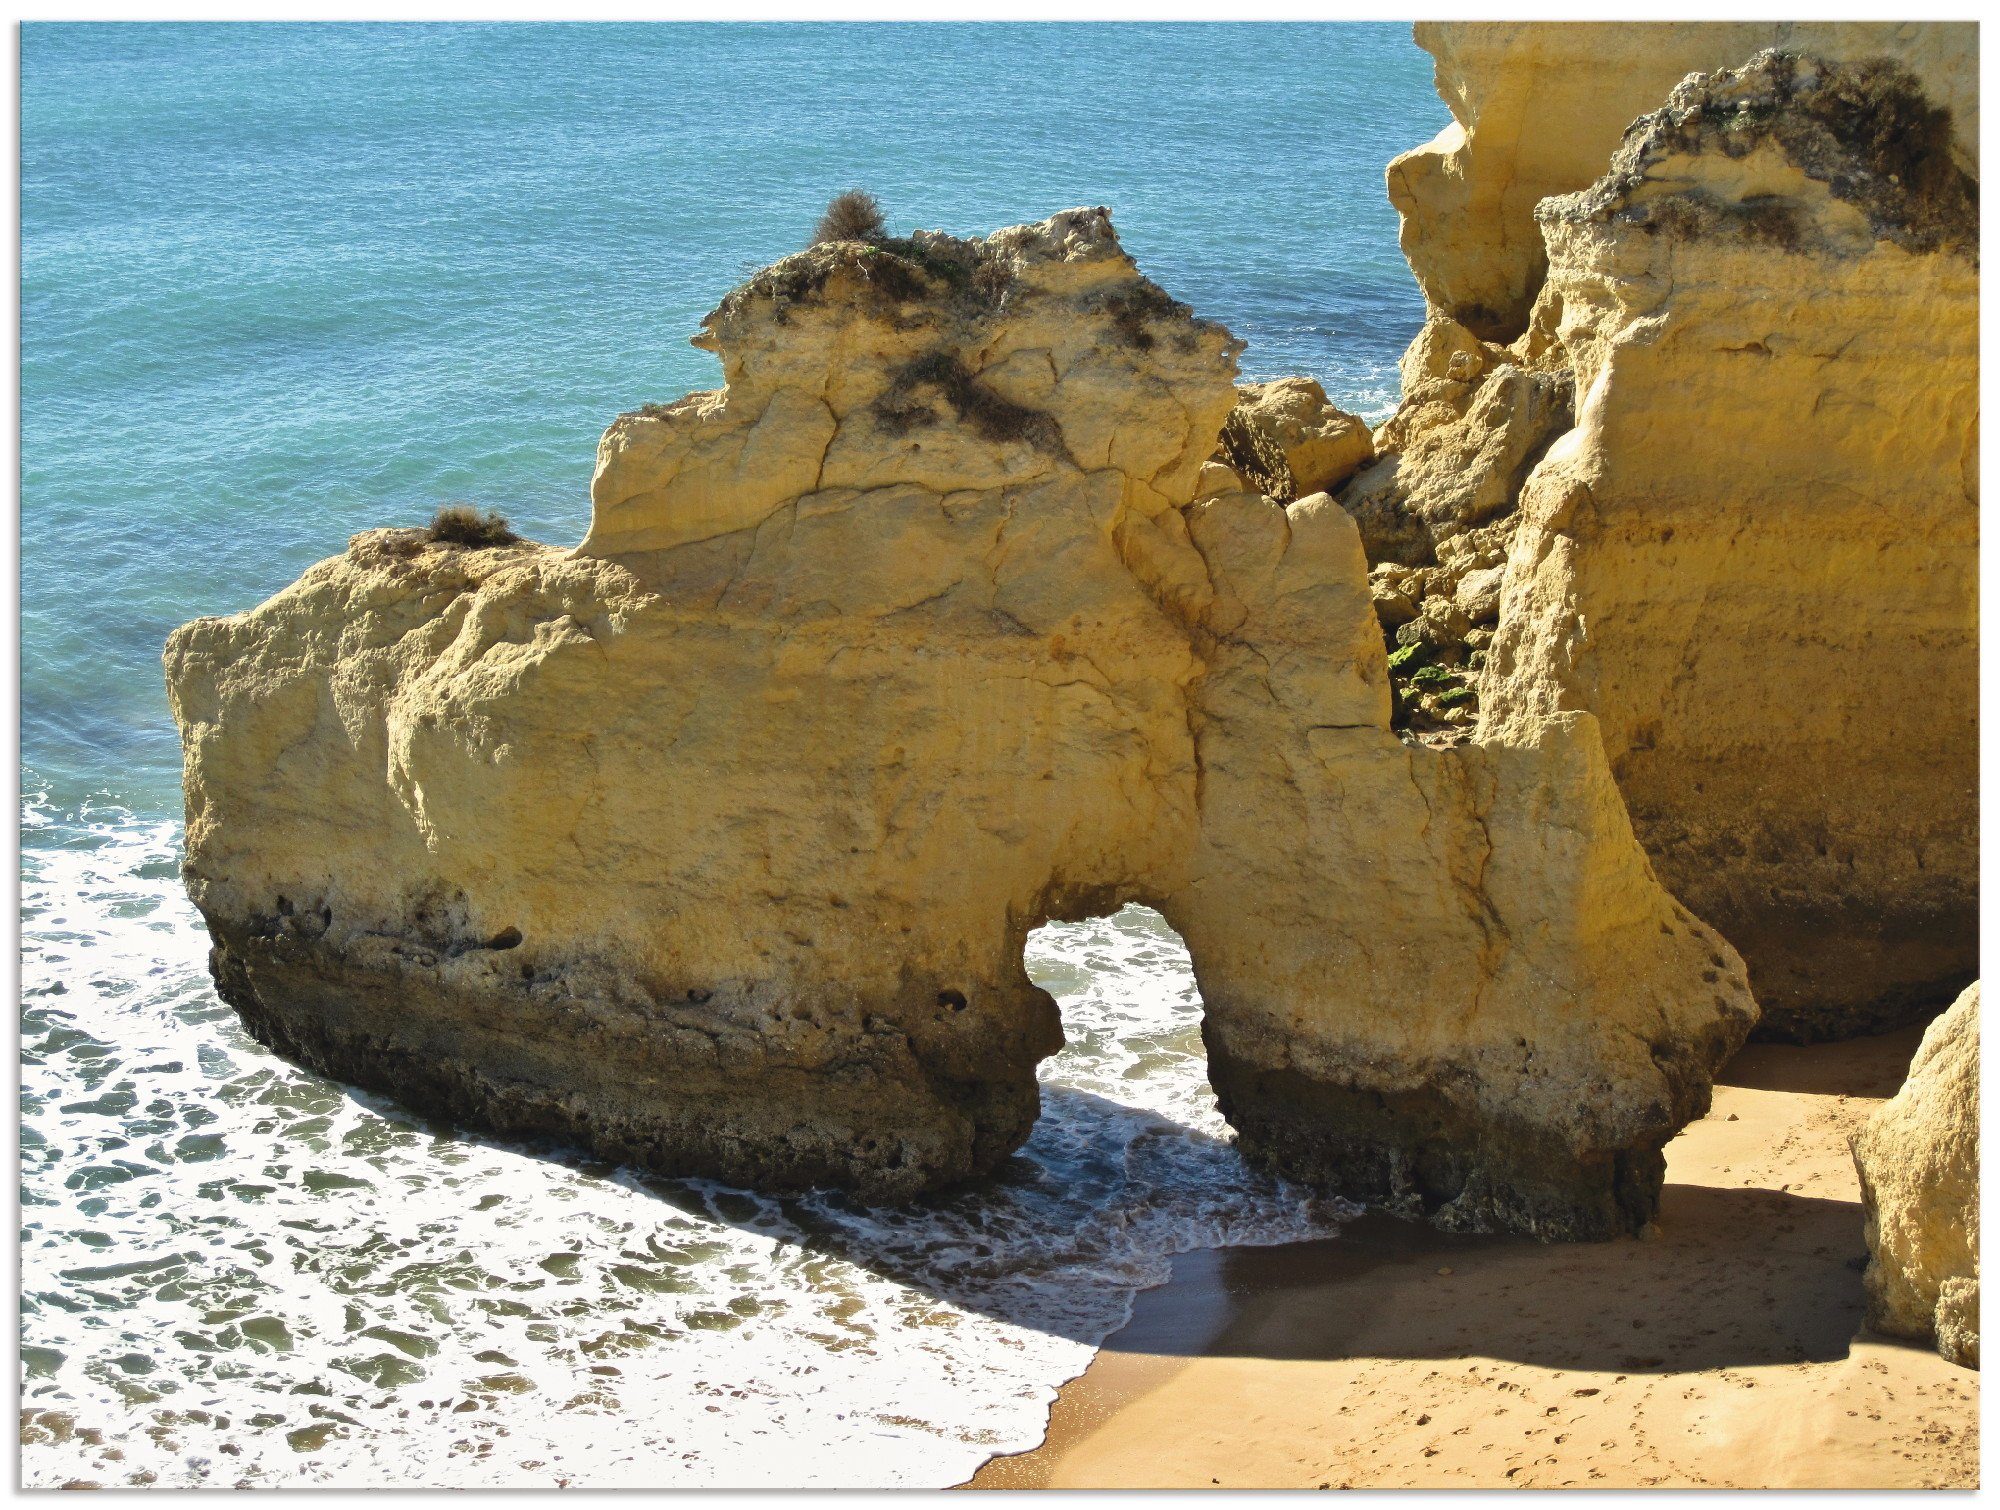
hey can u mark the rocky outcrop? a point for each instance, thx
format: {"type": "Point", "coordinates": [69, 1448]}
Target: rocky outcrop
{"type": "Point", "coordinates": [1436, 510]}
{"type": "Point", "coordinates": [714, 843]}
{"type": "Point", "coordinates": [1538, 108]}
{"type": "Point", "coordinates": [1754, 558]}
{"type": "Point", "coordinates": [1918, 1158]}
{"type": "Point", "coordinates": [1730, 468]}
{"type": "Point", "coordinates": [1473, 422]}
{"type": "Point", "coordinates": [1285, 440]}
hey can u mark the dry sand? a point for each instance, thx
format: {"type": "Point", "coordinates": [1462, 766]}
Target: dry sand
{"type": "Point", "coordinates": [1725, 1349]}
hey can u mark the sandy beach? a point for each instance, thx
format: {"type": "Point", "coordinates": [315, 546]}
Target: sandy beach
{"type": "Point", "coordinates": [1726, 1349]}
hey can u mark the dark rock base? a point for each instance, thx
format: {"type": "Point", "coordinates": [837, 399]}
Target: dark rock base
{"type": "Point", "coordinates": [638, 1082]}
{"type": "Point", "coordinates": [693, 1088]}
{"type": "Point", "coordinates": [1420, 1156]}
{"type": "Point", "coordinates": [1820, 985]}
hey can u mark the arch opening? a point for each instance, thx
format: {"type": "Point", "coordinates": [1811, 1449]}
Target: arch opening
{"type": "Point", "coordinates": [1127, 1111]}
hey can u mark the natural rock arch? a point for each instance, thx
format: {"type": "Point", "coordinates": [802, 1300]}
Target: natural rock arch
{"type": "Point", "coordinates": [715, 841]}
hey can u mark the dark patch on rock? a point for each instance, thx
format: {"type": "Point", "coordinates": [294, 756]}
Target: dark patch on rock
{"type": "Point", "coordinates": [887, 273]}
{"type": "Point", "coordinates": [1134, 309]}
{"type": "Point", "coordinates": [1258, 459]}
{"type": "Point", "coordinates": [1426, 1154]}
{"type": "Point", "coordinates": [460, 1038]}
{"type": "Point", "coordinates": [905, 405]}
{"type": "Point", "coordinates": [1864, 129]}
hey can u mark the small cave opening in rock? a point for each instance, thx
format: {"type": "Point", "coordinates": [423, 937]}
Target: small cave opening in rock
{"type": "Point", "coordinates": [1130, 1008]}
{"type": "Point", "coordinates": [1129, 1126]}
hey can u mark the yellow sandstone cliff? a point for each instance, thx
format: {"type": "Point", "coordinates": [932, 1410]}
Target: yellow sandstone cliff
{"type": "Point", "coordinates": [1751, 551]}
{"type": "Point", "coordinates": [714, 842]}
{"type": "Point", "coordinates": [979, 596]}
{"type": "Point", "coordinates": [1539, 107]}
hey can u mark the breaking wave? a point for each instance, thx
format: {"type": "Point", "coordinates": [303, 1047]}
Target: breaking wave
{"type": "Point", "coordinates": [237, 1273]}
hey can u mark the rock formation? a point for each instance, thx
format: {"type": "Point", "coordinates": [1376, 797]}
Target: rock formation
{"type": "Point", "coordinates": [1918, 1158]}
{"type": "Point", "coordinates": [1436, 510]}
{"type": "Point", "coordinates": [714, 842]}
{"type": "Point", "coordinates": [1285, 440]}
{"type": "Point", "coordinates": [1752, 554]}
{"type": "Point", "coordinates": [1539, 107]}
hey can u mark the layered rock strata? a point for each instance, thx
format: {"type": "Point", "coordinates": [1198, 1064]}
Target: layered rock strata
{"type": "Point", "coordinates": [1755, 557]}
{"type": "Point", "coordinates": [1918, 1158]}
{"type": "Point", "coordinates": [1539, 107]}
{"type": "Point", "coordinates": [714, 843]}
{"type": "Point", "coordinates": [1751, 549]}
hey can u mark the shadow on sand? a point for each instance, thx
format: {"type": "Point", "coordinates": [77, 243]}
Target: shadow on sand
{"type": "Point", "coordinates": [1733, 1277]}
{"type": "Point", "coordinates": [1736, 1278]}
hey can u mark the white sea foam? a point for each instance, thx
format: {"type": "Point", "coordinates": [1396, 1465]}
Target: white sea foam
{"type": "Point", "coordinates": [234, 1272]}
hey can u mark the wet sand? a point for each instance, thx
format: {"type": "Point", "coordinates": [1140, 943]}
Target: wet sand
{"type": "Point", "coordinates": [1725, 1349]}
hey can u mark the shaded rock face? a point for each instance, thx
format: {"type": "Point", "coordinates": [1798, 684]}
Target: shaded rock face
{"type": "Point", "coordinates": [714, 843]}
{"type": "Point", "coordinates": [1754, 558]}
{"type": "Point", "coordinates": [1538, 108]}
{"type": "Point", "coordinates": [1918, 1158]}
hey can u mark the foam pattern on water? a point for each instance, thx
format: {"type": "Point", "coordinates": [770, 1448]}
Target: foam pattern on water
{"type": "Point", "coordinates": [234, 1272]}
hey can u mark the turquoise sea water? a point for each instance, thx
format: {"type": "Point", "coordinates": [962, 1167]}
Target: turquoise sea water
{"type": "Point", "coordinates": [280, 283]}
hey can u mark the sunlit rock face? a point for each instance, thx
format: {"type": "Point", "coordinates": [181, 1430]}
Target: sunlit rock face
{"type": "Point", "coordinates": [714, 842]}
{"type": "Point", "coordinates": [1721, 490]}
{"type": "Point", "coordinates": [1755, 556]}
{"type": "Point", "coordinates": [1918, 1158]}
{"type": "Point", "coordinates": [1538, 108]}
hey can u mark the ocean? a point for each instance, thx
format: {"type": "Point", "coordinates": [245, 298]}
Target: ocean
{"type": "Point", "coordinates": [281, 283]}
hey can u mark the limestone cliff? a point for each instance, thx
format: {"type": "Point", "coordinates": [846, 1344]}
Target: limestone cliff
{"type": "Point", "coordinates": [1918, 1158]}
{"type": "Point", "coordinates": [1751, 548]}
{"type": "Point", "coordinates": [1538, 108]}
{"type": "Point", "coordinates": [1755, 556]}
{"type": "Point", "coordinates": [714, 843]}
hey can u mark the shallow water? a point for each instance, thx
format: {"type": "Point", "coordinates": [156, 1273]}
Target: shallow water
{"type": "Point", "coordinates": [281, 283]}
{"type": "Point", "coordinates": [236, 1272]}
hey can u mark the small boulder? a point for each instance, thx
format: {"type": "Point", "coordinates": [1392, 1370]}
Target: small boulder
{"type": "Point", "coordinates": [1918, 1157]}
{"type": "Point", "coordinates": [1393, 606]}
{"type": "Point", "coordinates": [1478, 594]}
{"type": "Point", "coordinates": [1323, 446]}
{"type": "Point", "coordinates": [1444, 349]}
{"type": "Point", "coordinates": [1440, 626]}
{"type": "Point", "coordinates": [1448, 623]}
{"type": "Point", "coordinates": [1218, 479]}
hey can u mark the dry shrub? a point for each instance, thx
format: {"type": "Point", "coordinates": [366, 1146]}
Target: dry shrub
{"type": "Point", "coordinates": [462, 524]}
{"type": "Point", "coordinates": [851, 215]}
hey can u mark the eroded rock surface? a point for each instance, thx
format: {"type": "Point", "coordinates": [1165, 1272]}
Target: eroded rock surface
{"type": "Point", "coordinates": [1286, 441]}
{"type": "Point", "coordinates": [1539, 107]}
{"type": "Point", "coordinates": [1728, 474]}
{"type": "Point", "coordinates": [1436, 509]}
{"type": "Point", "coordinates": [714, 843]}
{"type": "Point", "coordinates": [1754, 557]}
{"type": "Point", "coordinates": [1474, 419]}
{"type": "Point", "coordinates": [1918, 1158]}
